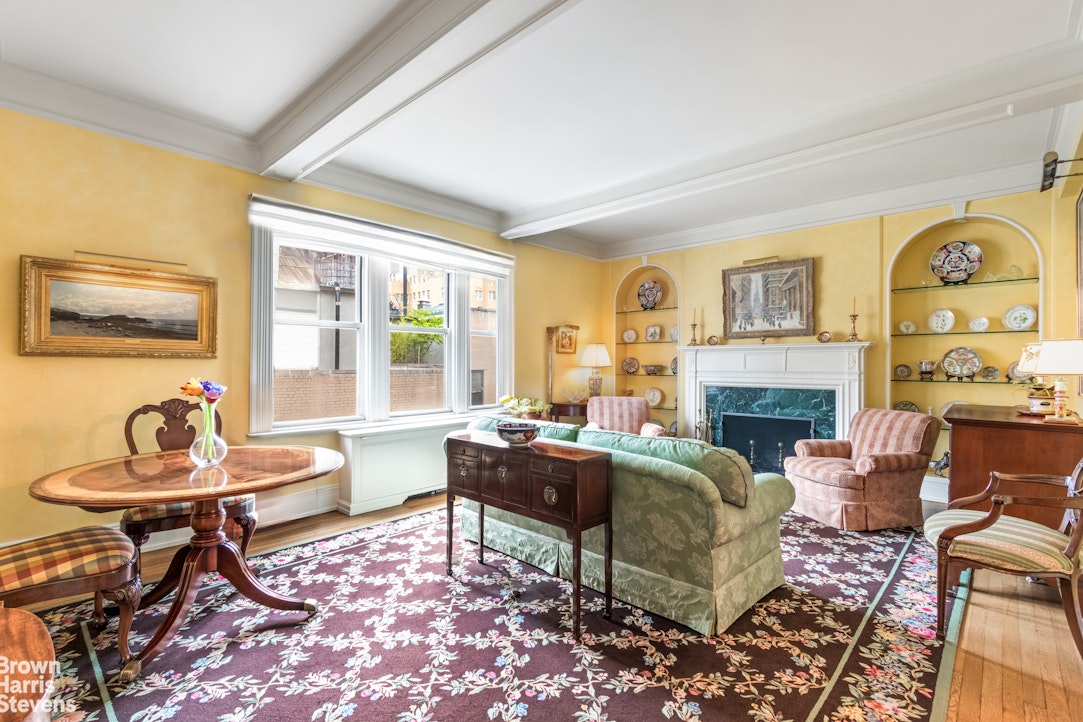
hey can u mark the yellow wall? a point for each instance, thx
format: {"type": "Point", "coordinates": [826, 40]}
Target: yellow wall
{"type": "Point", "coordinates": [66, 190]}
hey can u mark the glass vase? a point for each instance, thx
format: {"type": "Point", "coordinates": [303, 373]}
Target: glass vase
{"type": "Point", "coordinates": [209, 448]}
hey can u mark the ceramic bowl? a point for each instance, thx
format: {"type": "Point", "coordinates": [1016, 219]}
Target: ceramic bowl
{"type": "Point", "coordinates": [652, 369]}
{"type": "Point", "coordinates": [516, 433]}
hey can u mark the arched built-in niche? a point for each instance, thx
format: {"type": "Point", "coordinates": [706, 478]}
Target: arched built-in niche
{"type": "Point", "coordinates": [1010, 275]}
{"type": "Point", "coordinates": [647, 338]}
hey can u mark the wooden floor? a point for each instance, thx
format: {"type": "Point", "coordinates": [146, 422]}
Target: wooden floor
{"type": "Point", "coordinates": [1015, 658]}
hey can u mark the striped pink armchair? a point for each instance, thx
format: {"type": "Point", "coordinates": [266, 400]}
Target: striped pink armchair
{"type": "Point", "coordinates": [631, 414]}
{"type": "Point", "coordinates": [871, 480]}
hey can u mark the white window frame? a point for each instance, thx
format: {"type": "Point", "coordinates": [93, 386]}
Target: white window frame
{"type": "Point", "coordinates": [275, 223]}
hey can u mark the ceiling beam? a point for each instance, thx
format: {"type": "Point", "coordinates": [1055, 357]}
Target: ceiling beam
{"type": "Point", "coordinates": [421, 46]}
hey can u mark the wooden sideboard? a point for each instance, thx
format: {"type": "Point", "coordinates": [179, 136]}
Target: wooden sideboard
{"type": "Point", "coordinates": [998, 438]}
{"type": "Point", "coordinates": [568, 487]}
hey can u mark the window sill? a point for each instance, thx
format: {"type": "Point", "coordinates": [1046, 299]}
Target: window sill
{"type": "Point", "coordinates": [362, 429]}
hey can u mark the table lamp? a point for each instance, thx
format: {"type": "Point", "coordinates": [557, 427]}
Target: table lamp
{"type": "Point", "coordinates": [1060, 358]}
{"type": "Point", "coordinates": [595, 356]}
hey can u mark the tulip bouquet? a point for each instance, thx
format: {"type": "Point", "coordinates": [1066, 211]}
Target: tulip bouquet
{"type": "Point", "coordinates": [206, 449]}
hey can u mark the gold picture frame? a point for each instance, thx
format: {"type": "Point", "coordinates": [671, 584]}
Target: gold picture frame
{"type": "Point", "coordinates": [72, 308]}
{"type": "Point", "coordinates": [567, 338]}
{"type": "Point", "coordinates": [769, 299]}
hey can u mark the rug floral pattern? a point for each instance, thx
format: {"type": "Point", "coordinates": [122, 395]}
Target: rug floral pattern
{"type": "Point", "coordinates": [850, 637]}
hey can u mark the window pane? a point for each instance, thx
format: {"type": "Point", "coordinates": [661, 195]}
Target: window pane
{"type": "Point", "coordinates": [417, 294]}
{"type": "Point", "coordinates": [317, 284]}
{"type": "Point", "coordinates": [417, 372]}
{"type": "Point", "coordinates": [483, 350]}
{"type": "Point", "coordinates": [315, 372]}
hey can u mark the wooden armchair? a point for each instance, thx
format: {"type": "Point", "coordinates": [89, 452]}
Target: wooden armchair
{"type": "Point", "coordinates": [175, 432]}
{"type": "Point", "coordinates": [994, 540]}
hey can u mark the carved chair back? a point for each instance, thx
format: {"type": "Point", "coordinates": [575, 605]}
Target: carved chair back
{"type": "Point", "coordinates": [175, 431]}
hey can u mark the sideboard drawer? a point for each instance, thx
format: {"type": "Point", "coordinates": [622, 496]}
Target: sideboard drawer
{"type": "Point", "coordinates": [553, 467]}
{"type": "Point", "coordinates": [552, 497]}
{"type": "Point", "coordinates": [462, 474]}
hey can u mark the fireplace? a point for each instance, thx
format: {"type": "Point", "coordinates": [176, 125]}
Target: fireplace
{"type": "Point", "coordinates": [824, 382]}
{"type": "Point", "coordinates": [763, 440]}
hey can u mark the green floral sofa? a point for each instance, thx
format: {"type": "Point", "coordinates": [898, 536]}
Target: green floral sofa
{"type": "Point", "coordinates": [695, 533]}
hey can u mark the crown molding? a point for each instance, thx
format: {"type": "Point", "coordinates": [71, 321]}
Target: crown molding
{"type": "Point", "coordinates": [355, 182]}
{"type": "Point", "coordinates": [33, 93]}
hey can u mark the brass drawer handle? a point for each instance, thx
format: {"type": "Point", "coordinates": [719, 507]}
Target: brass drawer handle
{"type": "Point", "coordinates": [502, 472]}
{"type": "Point", "coordinates": [550, 495]}
{"type": "Point", "coordinates": [550, 468]}
{"type": "Point", "coordinates": [462, 470]}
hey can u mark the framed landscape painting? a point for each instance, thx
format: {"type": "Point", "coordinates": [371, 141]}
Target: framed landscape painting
{"type": "Point", "coordinates": [70, 308]}
{"type": "Point", "coordinates": [769, 299]}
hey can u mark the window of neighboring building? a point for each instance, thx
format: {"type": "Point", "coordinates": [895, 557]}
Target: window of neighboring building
{"type": "Point", "coordinates": [355, 322]}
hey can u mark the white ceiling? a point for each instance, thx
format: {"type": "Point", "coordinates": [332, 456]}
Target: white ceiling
{"type": "Point", "coordinates": [607, 128]}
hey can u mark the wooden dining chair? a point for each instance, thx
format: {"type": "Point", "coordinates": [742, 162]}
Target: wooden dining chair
{"type": "Point", "coordinates": [175, 432]}
{"type": "Point", "coordinates": [1000, 542]}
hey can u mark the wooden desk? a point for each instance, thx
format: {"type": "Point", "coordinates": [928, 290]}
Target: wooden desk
{"type": "Point", "coordinates": [998, 438]}
{"type": "Point", "coordinates": [564, 486]}
{"type": "Point", "coordinates": [26, 693]}
{"type": "Point", "coordinates": [567, 409]}
{"type": "Point", "coordinates": [163, 477]}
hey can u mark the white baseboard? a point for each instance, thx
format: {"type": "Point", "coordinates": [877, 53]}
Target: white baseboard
{"type": "Point", "coordinates": [934, 488]}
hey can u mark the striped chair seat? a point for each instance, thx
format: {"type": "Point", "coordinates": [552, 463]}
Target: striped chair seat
{"type": "Point", "coordinates": [184, 508]}
{"type": "Point", "coordinates": [1010, 543]}
{"type": "Point", "coordinates": [68, 555]}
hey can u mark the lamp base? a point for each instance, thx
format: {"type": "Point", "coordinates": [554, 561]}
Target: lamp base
{"type": "Point", "coordinates": [595, 383]}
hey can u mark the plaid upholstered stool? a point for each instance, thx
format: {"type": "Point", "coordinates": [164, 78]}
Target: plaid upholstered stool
{"type": "Point", "coordinates": [91, 559]}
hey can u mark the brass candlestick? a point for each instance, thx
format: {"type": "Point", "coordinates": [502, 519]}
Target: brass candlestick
{"type": "Point", "coordinates": [693, 342]}
{"type": "Point", "coordinates": [853, 327]}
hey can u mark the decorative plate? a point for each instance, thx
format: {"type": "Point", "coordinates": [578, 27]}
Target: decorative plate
{"type": "Point", "coordinates": [978, 324]}
{"type": "Point", "coordinates": [945, 407]}
{"type": "Point", "coordinates": [629, 335]}
{"type": "Point", "coordinates": [1019, 318]}
{"type": "Point", "coordinates": [961, 361]}
{"type": "Point", "coordinates": [654, 333]}
{"type": "Point", "coordinates": [653, 396]}
{"type": "Point", "coordinates": [903, 371]}
{"type": "Point", "coordinates": [630, 365]}
{"type": "Point", "coordinates": [649, 295]}
{"type": "Point", "coordinates": [907, 327]}
{"type": "Point", "coordinates": [673, 365]}
{"type": "Point", "coordinates": [674, 334]}
{"type": "Point", "coordinates": [941, 320]}
{"type": "Point", "coordinates": [1014, 374]}
{"type": "Point", "coordinates": [824, 336]}
{"type": "Point", "coordinates": [990, 373]}
{"type": "Point", "coordinates": [712, 340]}
{"type": "Point", "coordinates": [955, 262]}
{"type": "Point", "coordinates": [905, 406]}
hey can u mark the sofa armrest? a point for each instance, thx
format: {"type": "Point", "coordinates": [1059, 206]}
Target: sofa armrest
{"type": "Point", "coordinates": [774, 496]}
{"type": "Point", "coordinates": [895, 461]}
{"type": "Point", "coordinates": [826, 448]}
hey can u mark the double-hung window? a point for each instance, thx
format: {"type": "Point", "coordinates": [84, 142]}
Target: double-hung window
{"type": "Point", "coordinates": [356, 322]}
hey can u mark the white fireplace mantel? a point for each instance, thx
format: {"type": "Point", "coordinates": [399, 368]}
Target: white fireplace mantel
{"type": "Point", "coordinates": [835, 366]}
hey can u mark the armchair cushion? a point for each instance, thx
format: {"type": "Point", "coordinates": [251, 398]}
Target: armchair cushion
{"type": "Point", "coordinates": [834, 448]}
{"type": "Point", "coordinates": [728, 470]}
{"type": "Point", "coordinates": [1010, 543]}
{"type": "Point", "coordinates": [67, 555]}
{"type": "Point", "coordinates": [619, 413]}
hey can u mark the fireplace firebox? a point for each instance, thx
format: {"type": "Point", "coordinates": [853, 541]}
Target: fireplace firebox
{"type": "Point", "coordinates": [763, 440]}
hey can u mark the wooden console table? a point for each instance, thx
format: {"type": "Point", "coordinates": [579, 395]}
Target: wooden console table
{"type": "Point", "coordinates": [998, 438]}
{"type": "Point", "coordinates": [567, 408]}
{"type": "Point", "coordinates": [567, 487]}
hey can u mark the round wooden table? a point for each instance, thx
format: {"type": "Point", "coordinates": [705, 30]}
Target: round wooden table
{"type": "Point", "coordinates": [30, 665]}
{"type": "Point", "coordinates": [164, 477]}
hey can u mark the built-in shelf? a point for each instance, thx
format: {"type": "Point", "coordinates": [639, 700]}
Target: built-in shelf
{"type": "Point", "coordinates": [649, 310]}
{"type": "Point", "coordinates": [957, 286]}
{"type": "Point", "coordinates": [960, 333]}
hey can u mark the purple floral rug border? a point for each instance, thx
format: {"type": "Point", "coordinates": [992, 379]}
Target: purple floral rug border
{"type": "Point", "coordinates": [849, 637]}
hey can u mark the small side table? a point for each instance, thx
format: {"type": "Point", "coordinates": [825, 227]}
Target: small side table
{"type": "Point", "coordinates": [567, 409]}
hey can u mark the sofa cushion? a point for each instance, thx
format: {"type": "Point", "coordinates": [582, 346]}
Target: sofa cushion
{"type": "Point", "coordinates": [546, 429]}
{"type": "Point", "coordinates": [728, 470]}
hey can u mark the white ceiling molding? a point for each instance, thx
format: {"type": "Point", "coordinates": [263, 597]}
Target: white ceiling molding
{"type": "Point", "coordinates": [28, 91]}
{"type": "Point", "coordinates": [403, 62]}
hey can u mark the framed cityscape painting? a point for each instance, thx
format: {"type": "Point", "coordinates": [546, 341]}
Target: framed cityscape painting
{"type": "Point", "coordinates": [769, 299]}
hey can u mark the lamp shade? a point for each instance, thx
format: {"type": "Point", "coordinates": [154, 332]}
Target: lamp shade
{"type": "Point", "coordinates": [1063, 357]}
{"type": "Point", "coordinates": [595, 356]}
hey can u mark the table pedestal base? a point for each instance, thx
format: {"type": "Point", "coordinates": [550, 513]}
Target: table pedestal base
{"type": "Point", "coordinates": [209, 550]}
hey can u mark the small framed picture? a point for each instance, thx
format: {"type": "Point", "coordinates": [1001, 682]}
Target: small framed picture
{"type": "Point", "coordinates": [654, 333]}
{"type": "Point", "coordinates": [566, 338]}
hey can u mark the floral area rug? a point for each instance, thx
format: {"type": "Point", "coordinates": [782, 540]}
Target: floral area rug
{"type": "Point", "coordinates": [849, 637]}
